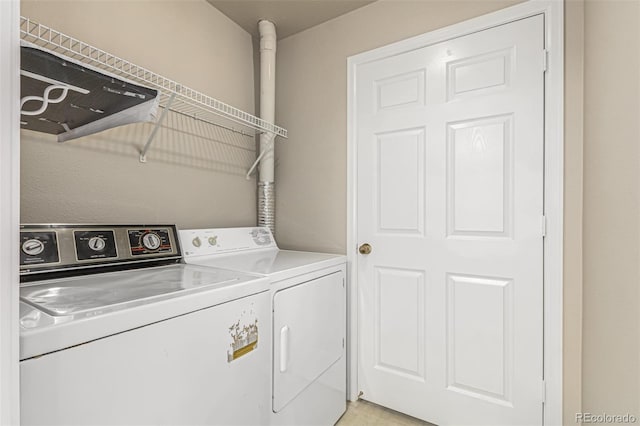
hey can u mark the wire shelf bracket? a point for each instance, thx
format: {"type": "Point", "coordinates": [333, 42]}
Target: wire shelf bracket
{"type": "Point", "coordinates": [143, 153]}
{"type": "Point", "coordinates": [268, 148]}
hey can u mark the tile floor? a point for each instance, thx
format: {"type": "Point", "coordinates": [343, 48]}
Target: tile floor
{"type": "Point", "coordinates": [363, 413]}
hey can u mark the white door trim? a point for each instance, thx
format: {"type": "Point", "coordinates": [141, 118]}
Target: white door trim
{"type": "Point", "coordinates": [9, 210]}
{"type": "Point", "coordinates": [553, 11]}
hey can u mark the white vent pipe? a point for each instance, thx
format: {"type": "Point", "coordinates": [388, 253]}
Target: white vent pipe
{"type": "Point", "coordinates": [266, 181]}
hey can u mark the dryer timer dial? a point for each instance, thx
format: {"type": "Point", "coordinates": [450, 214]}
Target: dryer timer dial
{"type": "Point", "coordinates": [151, 241]}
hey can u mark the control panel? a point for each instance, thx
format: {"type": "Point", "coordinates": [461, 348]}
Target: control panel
{"type": "Point", "coordinates": [203, 242]}
{"type": "Point", "coordinates": [45, 248]}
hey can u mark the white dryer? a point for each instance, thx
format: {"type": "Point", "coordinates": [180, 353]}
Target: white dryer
{"type": "Point", "coordinates": [116, 331]}
{"type": "Point", "coordinates": [308, 294]}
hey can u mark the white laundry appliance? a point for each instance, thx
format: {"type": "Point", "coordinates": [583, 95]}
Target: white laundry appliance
{"type": "Point", "coordinates": [116, 331]}
{"type": "Point", "coordinates": [308, 298]}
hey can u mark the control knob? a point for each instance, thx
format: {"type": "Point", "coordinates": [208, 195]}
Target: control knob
{"type": "Point", "coordinates": [97, 243]}
{"type": "Point", "coordinates": [32, 247]}
{"type": "Point", "coordinates": [151, 241]}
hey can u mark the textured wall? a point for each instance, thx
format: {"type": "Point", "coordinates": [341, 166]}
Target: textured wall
{"type": "Point", "coordinates": [195, 172]}
{"type": "Point", "coordinates": [573, 184]}
{"type": "Point", "coordinates": [611, 207]}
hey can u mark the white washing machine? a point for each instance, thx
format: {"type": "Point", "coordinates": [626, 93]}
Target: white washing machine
{"type": "Point", "coordinates": [115, 331]}
{"type": "Point", "coordinates": [308, 294]}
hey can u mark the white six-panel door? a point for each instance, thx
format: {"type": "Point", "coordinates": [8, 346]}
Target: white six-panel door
{"type": "Point", "coordinates": [450, 197]}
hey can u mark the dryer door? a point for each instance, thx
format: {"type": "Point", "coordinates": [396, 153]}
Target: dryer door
{"type": "Point", "coordinates": [309, 332]}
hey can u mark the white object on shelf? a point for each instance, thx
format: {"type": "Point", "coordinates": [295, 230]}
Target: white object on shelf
{"type": "Point", "coordinates": [39, 65]}
{"type": "Point", "coordinates": [187, 101]}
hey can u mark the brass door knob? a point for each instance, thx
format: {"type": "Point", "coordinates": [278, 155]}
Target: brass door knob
{"type": "Point", "coordinates": [365, 248]}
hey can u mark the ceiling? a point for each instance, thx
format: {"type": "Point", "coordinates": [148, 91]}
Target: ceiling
{"type": "Point", "coordinates": [289, 16]}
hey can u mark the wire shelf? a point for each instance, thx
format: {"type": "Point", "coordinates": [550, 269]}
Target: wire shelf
{"type": "Point", "coordinates": [186, 101]}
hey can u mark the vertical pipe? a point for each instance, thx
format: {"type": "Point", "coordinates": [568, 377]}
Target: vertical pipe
{"type": "Point", "coordinates": [266, 182]}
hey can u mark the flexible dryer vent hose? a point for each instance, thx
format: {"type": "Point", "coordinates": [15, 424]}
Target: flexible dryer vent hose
{"type": "Point", "coordinates": [267, 205]}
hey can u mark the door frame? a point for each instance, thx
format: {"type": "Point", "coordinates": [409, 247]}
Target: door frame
{"type": "Point", "coordinates": [9, 211]}
{"type": "Point", "coordinates": [553, 11]}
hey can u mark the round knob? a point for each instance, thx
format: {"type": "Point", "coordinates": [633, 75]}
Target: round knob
{"type": "Point", "coordinates": [365, 248]}
{"type": "Point", "coordinates": [97, 243]}
{"type": "Point", "coordinates": [213, 241]}
{"type": "Point", "coordinates": [196, 242]}
{"type": "Point", "coordinates": [151, 241]}
{"type": "Point", "coordinates": [32, 247]}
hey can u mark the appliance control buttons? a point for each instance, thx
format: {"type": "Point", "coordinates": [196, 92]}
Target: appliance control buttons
{"type": "Point", "coordinates": [97, 243]}
{"type": "Point", "coordinates": [196, 242]}
{"type": "Point", "coordinates": [32, 247]}
{"type": "Point", "coordinates": [151, 241]}
{"type": "Point", "coordinates": [213, 240]}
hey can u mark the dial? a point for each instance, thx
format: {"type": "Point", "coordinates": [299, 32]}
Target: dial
{"type": "Point", "coordinates": [151, 241]}
{"type": "Point", "coordinates": [97, 243]}
{"type": "Point", "coordinates": [213, 241]}
{"type": "Point", "coordinates": [32, 247]}
{"type": "Point", "coordinates": [196, 242]}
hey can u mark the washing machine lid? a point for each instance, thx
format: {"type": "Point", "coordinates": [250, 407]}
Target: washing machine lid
{"type": "Point", "coordinates": [91, 294]}
{"type": "Point", "coordinates": [57, 314]}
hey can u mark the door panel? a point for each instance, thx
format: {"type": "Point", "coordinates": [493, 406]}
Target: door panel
{"type": "Point", "coordinates": [480, 74]}
{"type": "Point", "coordinates": [479, 322]}
{"type": "Point", "coordinates": [308, 327]}
{"type": "Point", "coordinates": [400, 322]}
{"type": "Point", "coordinates": [402, 90]}
{"type": "Point", "coordinates": [400, 174]}
{"type": "Point", "coordinates": [450, 197]}
{"type": "Point", "coordinates": [479, 165]}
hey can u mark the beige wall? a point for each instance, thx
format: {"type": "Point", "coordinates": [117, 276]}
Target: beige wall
{"type": "Point", "coordinates": [611, 209]}
{"type": "Point", "coordinates": [311, 165]}
{"type": "Point", "coordinates": [573, 184]}
{"type": "Point", "coordinates": [195, 172]}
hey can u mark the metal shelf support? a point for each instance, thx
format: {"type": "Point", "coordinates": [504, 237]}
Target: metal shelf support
{"type": "Point", "coordinates": [270, 146]}
{"type": "Point", "coordinates": [143, 153]}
